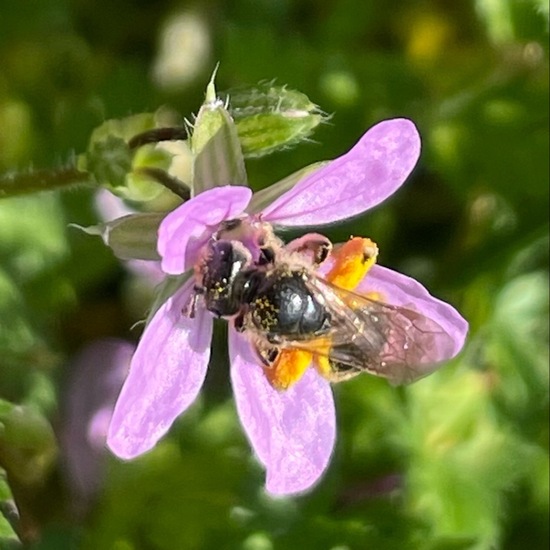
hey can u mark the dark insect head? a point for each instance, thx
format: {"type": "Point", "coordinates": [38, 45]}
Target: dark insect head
{"type": "Point", "coordinates": [224, 264]}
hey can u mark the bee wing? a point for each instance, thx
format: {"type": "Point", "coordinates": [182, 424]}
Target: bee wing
{"type": "Point", "coordinates": [366, 335]}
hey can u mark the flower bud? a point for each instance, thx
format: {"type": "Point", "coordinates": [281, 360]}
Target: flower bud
{"type": "Point", "coordinates": [113, 163]}
{"type": "Point", "coordinates": [270, 118]}
{"type": "Point", "coordinates": [217, 154]}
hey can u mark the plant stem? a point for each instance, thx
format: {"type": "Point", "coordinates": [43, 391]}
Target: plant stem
{"type": "Point", "coordinates": [158, 134]}
{"type": "Point", "coordinates": [174, 184]}
{"type": "Point", "coordinates": [23, 183]}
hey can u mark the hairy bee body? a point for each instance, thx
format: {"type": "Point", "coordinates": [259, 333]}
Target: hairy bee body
{"type": "Point", "coordinates": [277, 296]}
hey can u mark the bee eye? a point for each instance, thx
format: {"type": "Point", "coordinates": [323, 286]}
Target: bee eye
{"type": "Point", "coordinates": [225, 260]}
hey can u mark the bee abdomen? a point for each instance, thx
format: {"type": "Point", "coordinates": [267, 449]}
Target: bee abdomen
{"type": "Point", "coordinates": [285, 306]}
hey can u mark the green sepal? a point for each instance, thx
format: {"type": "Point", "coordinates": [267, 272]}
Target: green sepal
{"type": "Point", "coordinates": [266, 196]}
{"type": "Point", "coordinates": [132, 237]}
{"type": "Point", "coordinates": [217, 153]}
{"type": "Point", "coordinates": [138, 183]}
{"type": "Point", "coordinates": [165, 290]}
{"type": "Point", "coordinates": [270, 118]}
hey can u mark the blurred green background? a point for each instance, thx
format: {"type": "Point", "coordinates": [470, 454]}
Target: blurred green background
{"type": "Point", "coordinates": [458, 460]}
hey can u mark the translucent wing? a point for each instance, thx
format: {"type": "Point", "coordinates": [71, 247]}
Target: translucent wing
{"type": "Point", "coordinates": [397, 343]}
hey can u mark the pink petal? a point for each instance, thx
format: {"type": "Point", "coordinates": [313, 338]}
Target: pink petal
{"type": "Point", "coordinates": [166, 374]}
{"type": "Point", "coordinates": [362, 178]}
{"type": "Point", "coordinates": [149, 270]}
{"type": "Point", "coordinates": [97, 375]}
{"type": "Point", "coordinates": [109, 206]}
{"type": "Point", "coordinates": [185, 230]}
{"type": "Point", "coordinates": [292, 432]}
{"type": "Point", "coordinates": [399, 290]}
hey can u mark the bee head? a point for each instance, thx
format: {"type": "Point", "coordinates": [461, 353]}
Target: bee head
{"type": "Point", "coordinates": [221, 271]}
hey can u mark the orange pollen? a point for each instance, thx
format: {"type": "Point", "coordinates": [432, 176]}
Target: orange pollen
{"type": "Point", "coordinates": [288, 368]}
{"type": "Point", "coordinates": [321, 358]}
{"type": "Point", "coordinates": [352, 261]}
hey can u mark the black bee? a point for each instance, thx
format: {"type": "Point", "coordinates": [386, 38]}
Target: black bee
{"type": "Point", "coordinates": [279, 300]}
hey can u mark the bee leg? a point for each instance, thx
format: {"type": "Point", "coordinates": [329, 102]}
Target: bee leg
{"type": "Point", "coordinates": [191, 306]}
{"type": "Point", "coordinates": [238, 323]}
{"type": "Point", "coordinates": [267, 355]}
{"type": "Point", "coordinates": [316, 244]}
{"type": "Point", "coordinates": [227, 226]}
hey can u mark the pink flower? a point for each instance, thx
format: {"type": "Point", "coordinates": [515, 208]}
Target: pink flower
{"type": "Point", "coordinates": [97, 375]}
{"type": "Point", "coordinates": [293, 431]}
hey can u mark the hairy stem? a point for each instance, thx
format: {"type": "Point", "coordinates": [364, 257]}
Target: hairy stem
{"type": "Point", "coordinates": [23, 183]}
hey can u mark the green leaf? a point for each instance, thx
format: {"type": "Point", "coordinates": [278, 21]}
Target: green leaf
{"type": "Point", "coordinates": [32, 234]}
{"type": "Point", "coordinates": [192, 489]}
{"type": "Point", "coordinates": [8, 538]}
{"type": "Point", "coordinates": [27, 444]}
{"type": "Point", "coordinates": [463, 460]}
{"type": "Point", "coordinates": [518, 346]}
{"type": "Point", "coordinates": [17, 336]}
{"type": "Point", "coordinates": [5, 408]}
{"type": "Point", "coordinates": [507, 21]}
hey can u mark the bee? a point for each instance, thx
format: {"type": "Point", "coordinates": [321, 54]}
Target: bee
{"type": "Point", "coordinates": [277, 296]}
